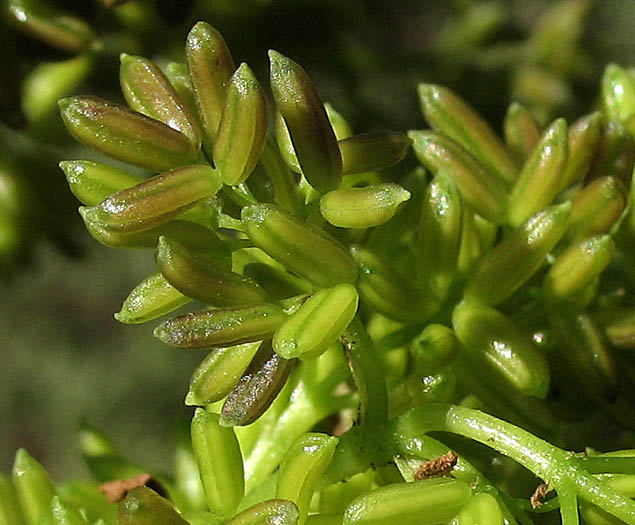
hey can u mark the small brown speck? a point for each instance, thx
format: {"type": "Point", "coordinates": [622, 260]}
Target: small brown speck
{"type": "Point", "coordinates": [116, 490]}
{"type": "Point", "coordinates": [538, 495]}
{"type": "Point", "coordinates": [441, 466]}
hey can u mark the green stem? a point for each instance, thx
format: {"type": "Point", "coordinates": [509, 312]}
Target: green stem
{"type": "Point", "coordinates": [568, 503]}
{"type": "Point", "coordinates": [557, 467]}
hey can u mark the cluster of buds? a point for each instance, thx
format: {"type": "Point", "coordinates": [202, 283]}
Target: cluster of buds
{"type": "Point", "coordinates": [333, 286]}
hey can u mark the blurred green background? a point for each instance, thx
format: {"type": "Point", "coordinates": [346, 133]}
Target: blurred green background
{"type": "Point", "coordinates": [62, 355]}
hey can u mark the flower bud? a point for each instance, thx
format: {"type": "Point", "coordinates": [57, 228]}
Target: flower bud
{"type": "Point", "coordinates": [452, 116]}
{"type": "Point", "coordinates": [278, 511]}
{"type": "Point", "coordinates": [483, 191]}
{"type": "Point", "coordinates": [243, 127]}
{"type": "Point", "coordinates": [124, 135]}
{"type": "Point", "coordinates": [522, 132]}
{"type": "Point", "coordinates": [34, 488]}
{"type": "Point", "coordinates": [313, 138]}
{"type": "Point", "coordinates": [362, 207]}
{"type": "Point", "coordinates": [65, 514]}
{"type": "Point", "coordinates": [615, 155]}
{"type": "Point", "coordinates": [373, 151]}
{"type": "Point", "coordinates": [618, 93]}
{"type": "Point", "coordinates": [143, 506]}
{"type": "Point", "coordinates": [148, 91]}
{"type": "Point", "coordinates": [301, 247]}
{"type": "Point", "coordinates": [585, 136]}
{"type": "Point", "coordinates": [221, 327]}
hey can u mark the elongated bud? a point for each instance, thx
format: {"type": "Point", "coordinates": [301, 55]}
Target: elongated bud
{"type": "Point", "coordinates": [390, 293]}
{"type": "Point", "coordinates": [585, 351]}
{"type": "Point", "coordinates": [201, 279]}
{"type": "Point", "coordinates": [438, 237]}
{"type": "Point", "coordinates": [584, 138]}
{"type": "Point", "coordinates": [596, 208]}
{"type": "Point", "coordinates": [317, 324]}
{"type": "Point", "coordinates": [518, 256]}
{"type": "Point", "coordinates": [10, 512]}
{"type": "Point", "coordinates": [426, 502]}
{"type": "Point", "coordinates": [522, 132]}
{"type": "Point", "coordinates": [33, 487]}
{"type": "Point", "coordinates": [92, 182]}
{"type": "Point", "coordinates": [211, 66]}
{"type": "Point", "coordinates": [577, 266]}
{"type": "Point", "coordinates": [341, 127]}
{"type": "Point", "coordinates": [435, 347]}
{"type": "Point", "coordinates": [373, 151]}
{"type": "Point", "coordinates": [452, 116]}
{"type": "Point", "coordinates": [482, 508]}
{"type": "Point", "coordinates": [483, 191]}
{"type": "Point", "coordinates": [179, 76]}
{"type": "Point", "coordinates": [194, 236]}
{"type": "Point", "coordinates": [65, 514]}
{"type": "Point", "coordinates": [313, 138]}
{"type": "Point", "coordinates": [470, 247]}
{"type": "Point", "coordinates": [151, 298]}
{"type": "Point", "coordinates": [278, 283]}
{"type": "Point", "coordinates": [302, 248]}
{"type": "Point", "coordinates": [124, 135]}
{"type": "Point", "coordinates": [219, 372]}
{"type": "Point", "coordinates": [278, 511]}
{"type": "Point", "coordinates": [219, 461]}
{"type": "Point", "coordinates": [618, 326]}
{"type": "Point", "coordinates": [362, 207]}
{"type": "Point", "coordinates": [143, 506]}
{"type": "Point", "coordinates": [50, 81]}
{"type": "Point", "coordinates": [158, 199]}
{"type": "Point", "coordinates": [223, 327]}
{"type": "Point", "coordinates": [284, 186]}
{"type": "Point", "coordinates": [301, 468]}
{"type": "Point", "coordinates": [148, 91]}
{"type": "Point", "coordinates": [539, 179]}
{"type": "Point", "coordinates": [52, 26]}
{"type": "Point", "coordinates": [285, 144]}
{"type": "Point", "coordinates": [243, 127]}
{"type": "Point", "coordinates": [618, 93]}
{"type": "Point", "coordinates": [615, 155]}
{"type": "Point", "coordinates": [257, 388]}
{"type": "Point", "coordinates": [495, 343]}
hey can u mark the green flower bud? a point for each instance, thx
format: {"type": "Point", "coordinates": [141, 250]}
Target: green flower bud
{"type": "Point", "coordinates": [362, 207]}
{"type": "Point", "coordinates": [517, 257]}
{"type": "Point", "coordinates": [618, 326]}
{"type": "Point", "coordinates": [50, 81]}
{"type": "Point", "coordinates": [596, 208]}
{"type": "Point", "coordinates": [539, 179]}
{"type": "Point", "coordinates": [151, 298]}
{"type": "Point", "coordinates": [439, 234]}
{"type": "Point", "coordinates": [257, 388]}
{"type": "Point", "coordinates": [219, 461]}
{"type": "Point", "coordinates": [278, 283]}
{"type": "Point", "coordinates": [222, 327]}
{"type": "Point", "coordinates": [303, 464]}
{"type": "Point", "coordinates": [497, 346]}
{"type": "Point", "coordinates": [373, 151]}
{"type": "Point", "coordinates": [435, 347]}
{"type": "Point", "coordinates": [219, 372]}
{"type": "Point", "coordinates": [301, 247]}
{"type": "Point", "coordinates": [452, 116]}
{"type": "Point", "coordinates": [211, 66]}
{"type": "Point", "coordinates": [615, 156]}
{"type": "Point", "coordinates": [193, 236]}
{"type": "Point", "coordinates": [272, 511]}
{"type": "Point", "coordinates": [584, 138]}
{"type": "Point", "coordinates": [470, 249]}
{"type": "Point", "coordinates": [483, 191]}
{"type": "Point", "coordinates": [482, 508]}
{"type": "Point", "coordinates": [158, 199]}
{"type": "Point", "coordinates": [10, 512]}
{"type": "Point", "coordinates": [522, 132]}
{"type": "Point", "coordinates": [391, 293]}
{"type": "Point", "coordinates": [124, 135]}
{"type": "Point", "coordinates": [341, 127]}
{"type": "Point", "coordinates": [313, 328]}
{"type": "Point", "coordinates": [179, 76]}
{"type": "Point", "coordinates": [202, 279]}
{"type": "Point", "coordinates": [86, 496]}
{"type": "Point", "coordinates": [584, 350]}
{"type": "Point", "coordinates": [143, 506]}
{"type": "Point", "coordinates": [578, 266]}
{"type": "Point", "coordinates": [313, 138]}
{"type": "Point", "coordinates": [618, 93]}
{"type": "Point", "coordinates": [92, 182]}
{"type": "Point", "coordinates": [148, 91]}
{"type": "Point", "coordinates": [426, 502]}
{"type": "Point", "coordinates": [33, 487]}
{"type": "Point", "coordinates": [283, 139]}
{"type": "Point", "coordinates": [50, 25]}
{"type": "Point", "coordinates": [243, 127]}
{"type": "Point", "coordinates": [284, 186]}
{"type": "Point", "coordinates": [64, 514]}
